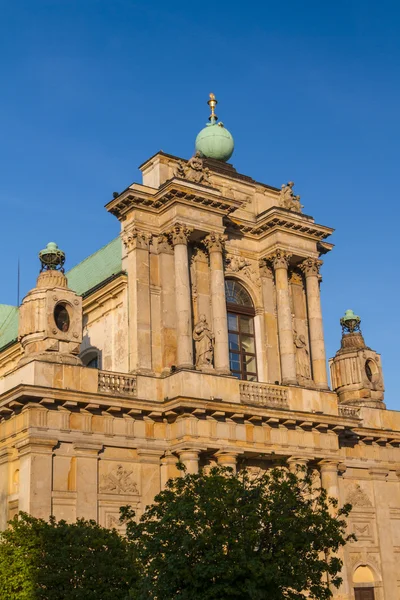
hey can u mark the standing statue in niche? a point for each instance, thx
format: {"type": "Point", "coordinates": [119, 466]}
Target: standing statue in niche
{"type": "Point", "coordinates": [204, 341]}
{"type": "Point", "coordinates": [302, 357]}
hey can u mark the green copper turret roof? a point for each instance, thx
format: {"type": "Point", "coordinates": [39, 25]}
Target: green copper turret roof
{"type": "Point", "coordinates": [82, 278]}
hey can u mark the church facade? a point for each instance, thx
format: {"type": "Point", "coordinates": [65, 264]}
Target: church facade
{"type": "Point", "coordinates": [196, 334]}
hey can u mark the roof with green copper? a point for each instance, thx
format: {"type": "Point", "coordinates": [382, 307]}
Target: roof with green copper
{"type": "Point", "coordinates": [82, 278]}
{"type": "Point", "coordinates": [8, 324]}
{"type": "Point", "coordinates": [96, 268]}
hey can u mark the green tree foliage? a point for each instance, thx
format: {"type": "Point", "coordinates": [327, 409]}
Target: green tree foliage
{"type": "Point", "coordinates": [53, 560]}
{"type": "Point", "coordinates": [228, 537]}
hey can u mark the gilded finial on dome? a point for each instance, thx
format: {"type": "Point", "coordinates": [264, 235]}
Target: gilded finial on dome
{"type": "Point", "coordinates": [212, 103]}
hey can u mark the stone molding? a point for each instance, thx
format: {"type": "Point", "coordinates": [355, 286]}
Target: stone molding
{"type": "Point", "coordinates": [179, 234]}
{"type": "Point", "coordinates": [134, 239]}
{"type": "Point", "coordinates": [311, 267]}
{"type": "Point", "coordinates": [279, 259]}
{"type": "Point", "coordinates": [215, 242]}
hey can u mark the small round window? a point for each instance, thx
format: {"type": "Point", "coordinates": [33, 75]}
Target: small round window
{"type": "Point", "coordinates": [61, 317]}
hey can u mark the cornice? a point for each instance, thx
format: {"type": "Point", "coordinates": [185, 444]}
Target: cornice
{"type": "Point", "coordinates": [171, 192]}
{"type": "Point", "coordinates": [281, 219]}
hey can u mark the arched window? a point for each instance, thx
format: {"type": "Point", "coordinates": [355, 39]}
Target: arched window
{"type": "Point", "coordinates": [242, 346]}
{"type": "Point", "coordinates": [91, 358]}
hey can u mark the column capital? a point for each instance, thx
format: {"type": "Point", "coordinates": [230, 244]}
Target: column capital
{"type": "Point", "coordinates": [279, 259]}
{"type": "Point", "coordinates": [134, 238]}
{"type": "Point", "coordinates": [331, 466]}
{"type": "Point", "coordinates": [311, 267]}
{"type": "Point", "coordinates": [164, 244]}
{"type": "Point", "coordinates": [215, 242]}
{"type": "Point", "coordinates": [301, 461]}
{"type": "Point", "coordinates": [179, 234]}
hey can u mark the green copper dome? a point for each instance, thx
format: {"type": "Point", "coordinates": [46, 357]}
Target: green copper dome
{"type": "Point", "coordinates": [214, 141]}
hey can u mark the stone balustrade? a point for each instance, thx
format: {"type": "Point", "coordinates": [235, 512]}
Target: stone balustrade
{"type": "Point", "coordinates": [263, 394]}
{"type": "Point", "coordinates": [118, 384]}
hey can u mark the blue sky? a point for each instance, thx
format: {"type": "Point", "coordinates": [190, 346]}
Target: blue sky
{"type": "Point", "coordinates": [310, 90]}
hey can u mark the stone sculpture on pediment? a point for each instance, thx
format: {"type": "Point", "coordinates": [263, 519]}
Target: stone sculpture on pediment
{"type": "Point", "coordinates": [118, 481]}
{"type": "Point", "coordinates": [204, 344]}
{"type": "Point", "coordinates": [194, 170]}
{"type": "Point", "coordinates": [358, 498]}
{"type": "Point", "coordinates": [288, 200]}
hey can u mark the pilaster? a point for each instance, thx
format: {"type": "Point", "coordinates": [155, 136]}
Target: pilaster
{"type": "Point", "coordinates": [137, 245]}
{"type": "Point", "coordinates": [35, 476]}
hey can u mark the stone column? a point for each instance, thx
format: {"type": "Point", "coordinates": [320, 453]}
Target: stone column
{"type": "Point", "coordinates": [280, 263]}
{"type": "Point", "coordinates": [168, 316]}
{"type": "Point", "coordinates": [227, 459]}
{"type": "Point", "coordinates": [87, 469]}
{"type": "Point", "coordinates": [137, 245]}
{"type": "Point", "coordinates": [310, 268]}
{"type": "Point", "coordinates": [190, 458]}
{"type": "Point", "coordinates": [215, 244]}
{"type": "Point", "coordinates": [179, 236]}
{"type": "Point", "coordinates": [298, 466]}
{"type": "Point", "coordinates": [36, 476]}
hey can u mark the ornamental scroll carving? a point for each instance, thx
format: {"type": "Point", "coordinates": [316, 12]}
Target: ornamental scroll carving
{"type": "Point", "coordinates": [239, 264]}
{"type": "Point", "coordinates": [311, 267]}
{"type": "Point", "coordinates": [194, 170]}
{"type": "Point", "coordinates": [179, 234]}
{"type": "Point", "coordinates": [358, 498]}
{"type": "Point", "coordinates": [135, 238]}
{"type": "Point", "coordinates": [118, 481]}
{"type": "Point", "coordinates": [288, 200]}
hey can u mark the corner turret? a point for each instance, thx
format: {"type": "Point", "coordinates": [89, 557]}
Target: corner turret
{"type": "Point", "coordinates": [50, 325]}
{"type": "Point", "coordinates": [356, 370]}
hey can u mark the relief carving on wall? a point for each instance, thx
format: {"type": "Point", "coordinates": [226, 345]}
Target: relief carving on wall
{"type": "Point", "coordinates": [358, 498]}
{"type": "Point", "coordinates": [118, 481]}
{"type": "Point", "coordinates": [194, 170]}
{"type": "Point", "coordinates": [239, 264]}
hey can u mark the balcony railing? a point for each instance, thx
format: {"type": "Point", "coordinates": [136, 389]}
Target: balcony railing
{"type": "Point", "coordinates": [263, 394]}
{"type": "Point", "coordinates": [118, 384]}
{"type": "Point", "coordinates": [349, 411]}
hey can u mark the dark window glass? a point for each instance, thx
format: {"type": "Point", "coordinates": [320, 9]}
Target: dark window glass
{"type": "Point", "coordinates": [61, 317]}
{"type": "Point", "coordinates": [93, 363]}
{"type": "Point", "coordinates": [242, 349]}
